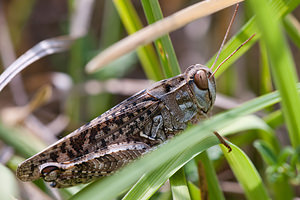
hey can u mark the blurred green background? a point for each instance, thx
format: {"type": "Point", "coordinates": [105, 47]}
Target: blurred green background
{"type": "Point", "coordinates": [63, 97]}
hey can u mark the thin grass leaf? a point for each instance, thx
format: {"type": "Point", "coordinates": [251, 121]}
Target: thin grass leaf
{"type": "Point", "coordinates": [266, 81]}
{"type": "Point", "coordinates": [170, 68]}
{"type": "Point", "coordinates": [20, 141]}
{"type": "Point", "coordinates": [281, 187]}
{"type": "Point", "coordinates": [274, 119]}
{"type": "Point", "coordinates": [200, 136]}
{"type": "Point", "coordinates": [152, 181]}
{"type": "Point", "coordinates": [214, 189]}
{"type": "Point", "coordinates": [18, 14]}
{"type": "Point", "coordinates": [265, 151]}
{"type": "Point", "coordinates": [179, 187]}
{"type": "Point", "coordinates": [194, 191]}
{"type": "Point", "coordinates": [282, 66]}
{"type": "Point", "coordinates": [111, 25]}
{"type": "Point", "coordinates": [151, 32]}
{"type": "Point", "coordinates": [245, 173]}
{"type": "Point", "coordinates": [252, 122]}
{"type": "Point", "coordinates": [163, 44]}
{"type": "Point", "coordinates": [146, 54]}
{"type": "Point", "coordinates": [9, 186]}
{"type": "Point", "coordinates": [42, 49]}
{"type": "Point", "coordinates": [292, 27]}
{"type": "Point", "coordinates": [280, 7]}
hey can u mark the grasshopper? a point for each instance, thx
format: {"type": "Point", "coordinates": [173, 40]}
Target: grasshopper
{"type": "Point", "coordinates": [127, 131]}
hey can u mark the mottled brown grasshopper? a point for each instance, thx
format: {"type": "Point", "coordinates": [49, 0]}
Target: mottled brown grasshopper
{"type": "Point", "coordinates": [127, 131]}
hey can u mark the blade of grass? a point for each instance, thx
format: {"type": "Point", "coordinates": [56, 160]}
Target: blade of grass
{"type": "Point", "coordinates": [132, 24]}
{"type": "Point", "coordinates": [111, 25]}
{"type": "Point", "coordinates": [281, 187]}
{"type": "Point", "coordinates": [171, 68]}
{"type": "Point", "coordinates": [292, 27]}
{"type": "Point", "coordinates": [274, 119]}
{"type": "Point", "coordinates": [282, 66]}
{"type": "Point", "coordinates": [280, 7]}
{"type": "Point", "coordinates": [183, 17]}
{"type": "Point", "coordinates": [199, 135]}
{"type": "Point", "coordinates": [9, 186]}
{"type": "Point", "coordinates": [40, 50]}
{"type": "Point", "coordinates": [156, 30]}
{"type": "Point", "coordinates": [245, 173]}
{"type": "Point", "coordinates": [20, 141]}
{"type": "Point", "coordinates": [265, 77]}
{"type": "Point", "coordinates": [214, 189]}
{"type": "Point", "coordinates": [151, 182]}
{"type": "Point", "coordinates": [163, 44]}
{"type": "Point", "coordinates": [252, 122]}
{"type": "Point", "coordinates": [194, 191]}
{"type": "Point", "coordinates": [179, 187]}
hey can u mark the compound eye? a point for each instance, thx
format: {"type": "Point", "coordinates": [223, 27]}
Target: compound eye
{"type": "Point", "coordinates": [201, 80]}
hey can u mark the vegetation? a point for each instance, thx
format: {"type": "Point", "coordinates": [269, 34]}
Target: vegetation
{"type": "Point", "coordinates": [262, 125]}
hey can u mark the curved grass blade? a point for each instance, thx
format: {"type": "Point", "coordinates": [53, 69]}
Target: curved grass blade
{"type": "Point", "coordinates": [245, 173]}
{"type": "Point", "coordinates": [199, 135]}
{"type": "Point", "coordinates": [146, 53]}
{"type": "Point", "coordinates": [151, 32]}
{"type": "Point", "coordinates": [252, 122]}
{"type": "Point", "coordinates": [42, 49]}
{"type": "Point", "coordinates": [280, 187]}
{"type": "Point", "coordinates": [292, 27]}
{"type": "Point", "coordinates": [151, 182]}
{"type": "Point", "coordinates": [214, 189]}
{"type": "Point", "coordinates": [282, 66]}
{"type": "Point", "coordinates": [179, 186]}
{"type": "Point", "coordinates": [9, 186]}
{"type": "Point", "coordinates": [163, 44]}
{"type": "Point", "coordinates": [280, 7]}
{"type": "Point", "coordinates": [194, 191]}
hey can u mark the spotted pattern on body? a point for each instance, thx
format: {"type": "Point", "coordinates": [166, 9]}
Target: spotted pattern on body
{"type": "Point", "coordinates": [125, 132]}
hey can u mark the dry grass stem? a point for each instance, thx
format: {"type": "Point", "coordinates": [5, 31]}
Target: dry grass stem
{"type": "Point", "coordinates": [153, 31]}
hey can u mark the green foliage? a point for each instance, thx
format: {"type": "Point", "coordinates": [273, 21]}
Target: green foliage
{"type": "Point", "coordinates": [272, 177]}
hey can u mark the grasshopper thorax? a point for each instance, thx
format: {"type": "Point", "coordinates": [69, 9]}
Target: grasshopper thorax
{"type": "Point", "coordinates": [202, 85]}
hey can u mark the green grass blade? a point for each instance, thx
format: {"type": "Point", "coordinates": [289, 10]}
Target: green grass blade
{"type": "Point", "coordinates": [281, 8]}
{"type": "Point", "coordinates": [292, 27]}
{"type": "Point", "coordinates": [266, 81]}
{"type": "Point", "coordinates": [171, 68]}
{"type": "Point", "coordinates": [179, 186]}
{"type": "Point", "coordinates": [274, 119]}
{"type": "Point", "coordinates": [163, 44]}
{"type": "Point", "coordinates": [20, 141]}
{"type": "Point", "coordinates": [9, 186]}
{"type": "Point", "coordinates": [245, 173]}
{"type": "Point", "coordinates": [194, 191]}
{"type": "Point", "coordinates": [111, 25]}
{"type": "Point", "coordinates": [266, 152]}
{"type": "Point", "coordinates": [283, 68]}
{"type": "Point", "coordinates": [214, 189]}
{"type": "Point", "coordinates": [151, 181]}
{"type": "Point", "coordinates": [199, 136]}
{"type": "Point", "coordinates": [146, 54]}
{"type": "Point", "coordinates": [281, 187]}
{"type": "Point", "coordinates": [252, 122]}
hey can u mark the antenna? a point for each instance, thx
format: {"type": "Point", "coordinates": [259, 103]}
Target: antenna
{"type": "Point", "coordinates": [232, 54]}
{"type": "Point", "coordinates": [226, 34]}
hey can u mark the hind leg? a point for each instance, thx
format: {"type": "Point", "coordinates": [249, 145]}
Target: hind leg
{"type": "Point", "coordinates": [91, 166]}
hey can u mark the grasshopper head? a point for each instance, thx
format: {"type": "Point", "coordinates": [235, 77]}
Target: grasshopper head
{"type": "Point", "coordinates": [202, 85]}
